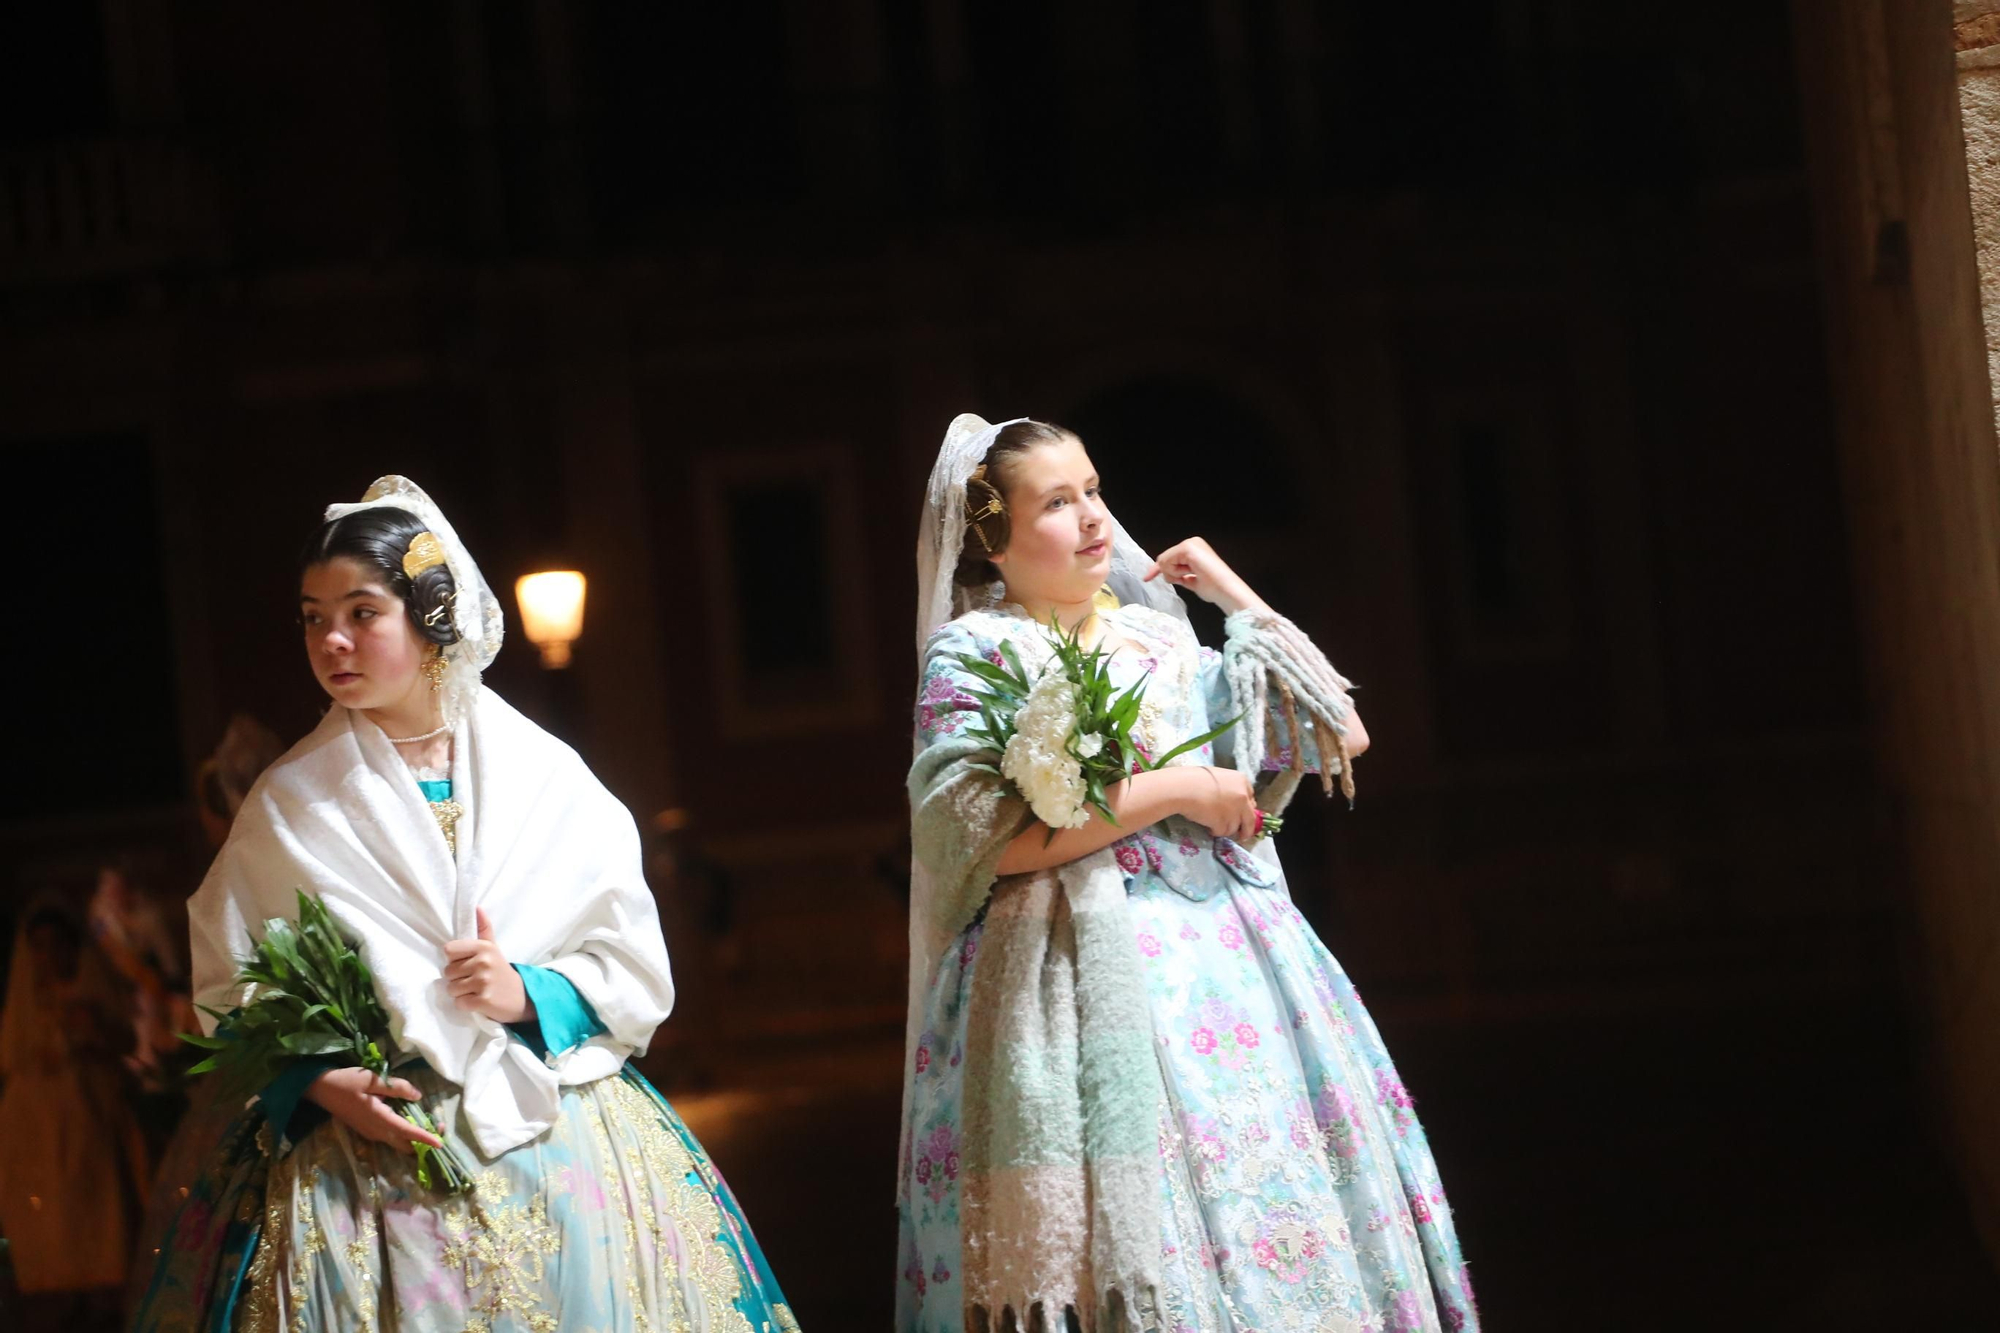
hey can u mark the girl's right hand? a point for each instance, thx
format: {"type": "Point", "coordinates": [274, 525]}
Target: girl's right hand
{"type": "Point", "coordinates": [353, 1096]}
{"type": "Point", "coordinates": [1224, 802]}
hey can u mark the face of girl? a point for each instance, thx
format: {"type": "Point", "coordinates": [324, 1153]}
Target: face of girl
{"type": "Point", "coordinates": [363, 649]}
{"type": "Point", "coordinates": [1059, 531]}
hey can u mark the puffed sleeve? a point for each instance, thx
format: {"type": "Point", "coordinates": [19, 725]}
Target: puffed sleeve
{"type": "Point", "coordinates": [963, 814]}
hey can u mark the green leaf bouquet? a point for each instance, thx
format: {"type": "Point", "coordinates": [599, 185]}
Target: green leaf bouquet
{"type": "Point", "coordinates": [313, 997]}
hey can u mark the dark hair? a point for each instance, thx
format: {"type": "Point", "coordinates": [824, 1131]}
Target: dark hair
{"type": "Point", "coordinates": [987, 492]}
{"type": "Point", "coordinates": [378, 539]}
{"type": "Point", "coordinates": [54, 918]}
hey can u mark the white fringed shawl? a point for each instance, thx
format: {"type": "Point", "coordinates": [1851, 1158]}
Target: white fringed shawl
{"type": "Point", "coordinates": [542, 846]}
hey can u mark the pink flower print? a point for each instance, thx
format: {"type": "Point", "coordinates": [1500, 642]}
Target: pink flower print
{"type": "Point", "coordinates": [1420, 1208]}
{"type": "Point", "coordinates": [957, 1054]}
{"type": "Point", "coordinates": [996, 657]}
{"type": "Point", "coordinates": [1301, 1127]}
{"type": "Point", "coordinates": [939, 1273]}
{"type": "Point", "coordinates": [1391, 1091]}
{"type": "Point", "coordinates": [1129, 858]}
{"type": "Point", "coordinates": [941, 708]}
{"type": "Point", "coordinates": [1288, 1250]}
{"type": "Point", "coordinates": [1149, 945]}
{"type": "Point", "coordinates": [937, 1163]}
{"type": "Point", "coordinates": [1231, 937]}
{"type": "Point", "coordinates": [1149, 664]}
{"type": "Point", "coordinates": [1454, 1318]}
{"type": "Point", "coordinates": [1152, 851]}
{"type": "Point", "coordinates": [1406, 1315]}
{"type": "Point", "coordinates": [1190, 934]}
{"type": "Point", "coordinates": [1215, 1011]}
{"type": "Point", "coordinates": [1189, 847]}
{"type": "Point", "coordinates": [968, 950]}
{"type": "Point", "coordinates": [1203, 1041]}
{"type": "Point", "coordinates": [923, 1057]}
{"type": "Point", "coordinates": [1204, 1139]}
{"type": "Point", "coordinates": [1246, 1035]}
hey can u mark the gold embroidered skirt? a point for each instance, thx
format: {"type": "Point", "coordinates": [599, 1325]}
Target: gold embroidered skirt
{"type": "Point", "coordinates": [612, 1220]}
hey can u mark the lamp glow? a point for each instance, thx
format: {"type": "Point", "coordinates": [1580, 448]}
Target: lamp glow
{"type": "Point", "coordinates": [551, 612]}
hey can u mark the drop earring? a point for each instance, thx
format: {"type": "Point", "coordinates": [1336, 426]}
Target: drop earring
{"type": "Point", "coordinates": [434, 669]}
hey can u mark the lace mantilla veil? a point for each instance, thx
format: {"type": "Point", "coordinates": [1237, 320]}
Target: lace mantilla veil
{"type": "Point", "coordinates": [475, 611]}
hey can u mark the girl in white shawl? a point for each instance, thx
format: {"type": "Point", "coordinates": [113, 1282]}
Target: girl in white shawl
{"type": "Point", "coordinates": [494, 887]}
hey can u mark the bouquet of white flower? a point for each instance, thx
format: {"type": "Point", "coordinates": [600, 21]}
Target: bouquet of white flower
{"type": "Point", "coordinates": [1064, 734]}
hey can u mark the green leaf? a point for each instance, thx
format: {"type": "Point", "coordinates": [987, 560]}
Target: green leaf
{"type": "Point", "coordinates": [989, 673]}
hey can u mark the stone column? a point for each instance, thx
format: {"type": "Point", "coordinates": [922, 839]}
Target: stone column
{"type": "Point", "coordinates": [1908, 354]}
{"type": "Point", "coordinates": [1976, 37]}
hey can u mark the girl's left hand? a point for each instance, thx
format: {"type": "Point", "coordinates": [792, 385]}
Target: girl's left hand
{"type": "Point", "coordinates": [1194, 565]}
{"type": "Point", "coordinates": [481, 979]}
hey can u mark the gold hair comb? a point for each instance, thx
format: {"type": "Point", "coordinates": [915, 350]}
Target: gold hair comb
{"type": "Point", "coordinates": [425, 553]}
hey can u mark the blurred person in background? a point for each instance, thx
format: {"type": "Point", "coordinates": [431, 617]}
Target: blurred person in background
{"type": "Point", "coordinates": [128, 928]}
{"type": "Point", "coordinates": [72, 1166]}
{"type": "Point", "coordinates": [248, 747]}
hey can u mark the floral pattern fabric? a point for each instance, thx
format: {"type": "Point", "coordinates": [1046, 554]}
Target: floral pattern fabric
{"type": "Point", "coordinates": [1298, 1192]}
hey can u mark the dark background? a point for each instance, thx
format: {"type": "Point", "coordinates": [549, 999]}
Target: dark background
{"type": "Point", "coordinates": [1484, 337]}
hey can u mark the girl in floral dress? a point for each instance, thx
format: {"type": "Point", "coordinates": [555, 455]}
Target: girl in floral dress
{"type": "Point", "coordinates": [1140, 1092]}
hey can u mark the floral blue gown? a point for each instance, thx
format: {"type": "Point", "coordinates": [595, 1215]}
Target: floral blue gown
{"type": "Point", "coordinates": [1298, 1193]}
{"type": "Point", "coordinates": [612, 1221]}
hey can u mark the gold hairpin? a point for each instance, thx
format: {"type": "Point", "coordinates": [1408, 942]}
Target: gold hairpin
{"type": "Point", "coordinates": [993, 506]}
{"type": "Point", "coordinates": [442, 608]}
{"type": "Point", "coordinates": [425, 553]}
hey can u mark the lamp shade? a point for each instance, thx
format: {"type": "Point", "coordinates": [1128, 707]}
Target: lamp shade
{"type": "Point", "coordinates": [551, 612]}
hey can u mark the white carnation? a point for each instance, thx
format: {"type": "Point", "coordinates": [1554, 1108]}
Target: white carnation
{"type": "Point", "coordinates": [1037, 757]}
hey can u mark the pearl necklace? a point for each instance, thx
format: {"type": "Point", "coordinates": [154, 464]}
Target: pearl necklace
{"type": "Point", "coordinates": [429, 735]}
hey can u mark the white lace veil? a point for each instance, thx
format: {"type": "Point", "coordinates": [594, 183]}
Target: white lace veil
{"type": "Point", "coordinates": [475, 611]}
{"type": "Point", "coordinates": [942, 534]}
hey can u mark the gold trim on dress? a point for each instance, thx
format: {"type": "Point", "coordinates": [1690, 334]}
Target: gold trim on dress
{"type": "Point", "coordinates": [447, 813]}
